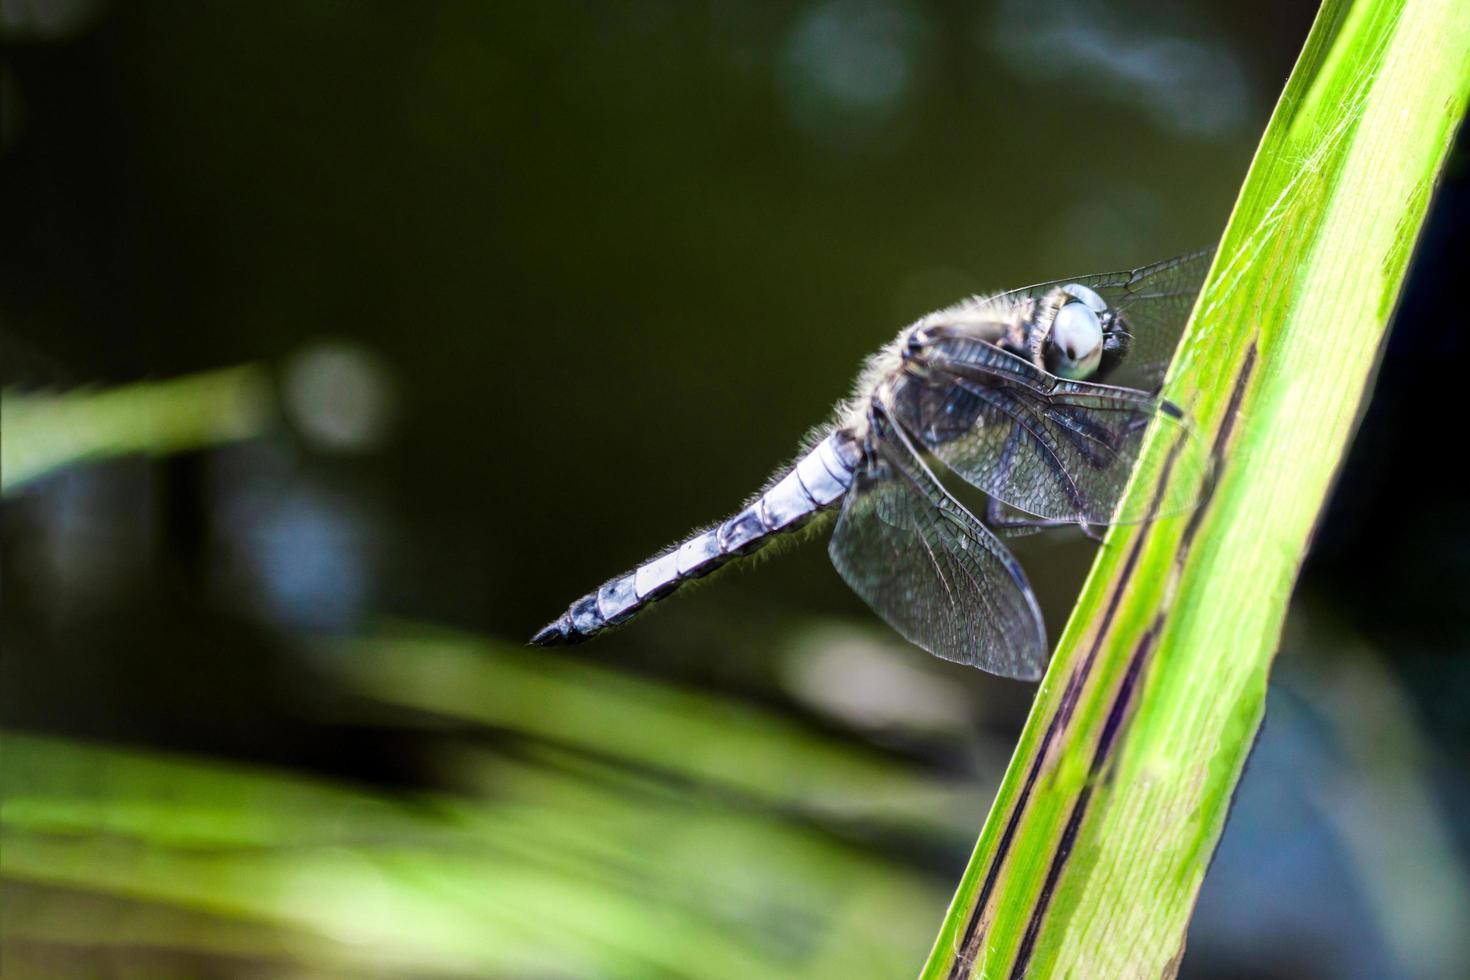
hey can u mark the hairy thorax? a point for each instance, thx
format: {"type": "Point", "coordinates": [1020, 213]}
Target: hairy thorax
{"type": "Point", "coordinates": [1014, 324]}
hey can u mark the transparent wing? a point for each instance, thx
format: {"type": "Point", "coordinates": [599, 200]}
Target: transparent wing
{"type": "Point", "coordinates": [1055, 449]}
{"type": "Point", "coordinates": [1152, 303]}
{"type": "Point", "coordinates": [931, 570]}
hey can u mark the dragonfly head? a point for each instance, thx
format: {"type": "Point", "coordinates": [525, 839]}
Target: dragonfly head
{"type": "Point", "coordinates": [1074, 345]}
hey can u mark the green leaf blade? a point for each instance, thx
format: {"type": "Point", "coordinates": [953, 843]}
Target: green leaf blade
{"type": "Point", "coordinates": [1099, 838]}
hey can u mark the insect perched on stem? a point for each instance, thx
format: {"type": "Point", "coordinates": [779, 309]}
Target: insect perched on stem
{"type": "Point", "coordinates": [1005, 391]}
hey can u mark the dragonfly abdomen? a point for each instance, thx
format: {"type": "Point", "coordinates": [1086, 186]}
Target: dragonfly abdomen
{"type": "Point", "coordinates": [817, 481]}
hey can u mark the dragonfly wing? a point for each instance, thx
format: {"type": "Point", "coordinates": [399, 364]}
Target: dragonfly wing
{"type": "Point", "coordinates": [1056, 449]}
{"type": "Point", "coordinates": [931, 570]}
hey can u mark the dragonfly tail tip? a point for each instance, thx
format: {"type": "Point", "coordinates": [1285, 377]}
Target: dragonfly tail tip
{"type": "Point", "coordinates": [553, 634]}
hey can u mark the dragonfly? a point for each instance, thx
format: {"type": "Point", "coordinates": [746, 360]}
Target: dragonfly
{"type": "Point", "coordinates": [1039, 397]}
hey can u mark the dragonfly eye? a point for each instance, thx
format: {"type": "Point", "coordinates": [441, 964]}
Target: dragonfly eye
{"type": "Point", "coordinates": [1087, 297]}
{"type": "Point", "coordinates": [1075, 344]}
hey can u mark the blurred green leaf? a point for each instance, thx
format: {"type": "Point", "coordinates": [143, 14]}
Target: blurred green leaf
{"type": "Point", "coordinates": [685, 734]}
{"type": "Point", "coordinates": [542, 869]}
{"type": "Point", "coordinates": [41, 432]}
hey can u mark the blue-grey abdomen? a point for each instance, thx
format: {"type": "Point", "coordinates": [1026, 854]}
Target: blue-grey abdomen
{"type": "Point", "coordinates": [817, 481]}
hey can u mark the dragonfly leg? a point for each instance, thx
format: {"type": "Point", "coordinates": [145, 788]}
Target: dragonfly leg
{"type": "Point", "coordinates": [1002, 518]}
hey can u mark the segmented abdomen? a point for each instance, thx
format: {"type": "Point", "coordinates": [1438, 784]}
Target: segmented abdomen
{"type": "Point", "coordinates": [817, 481]}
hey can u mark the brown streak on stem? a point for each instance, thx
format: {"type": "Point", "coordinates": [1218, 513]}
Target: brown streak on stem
{"type": "Point", "coordinates": [973, 935]}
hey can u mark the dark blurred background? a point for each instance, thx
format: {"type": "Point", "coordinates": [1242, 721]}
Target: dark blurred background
{"type": "Point", "coordinates": [344, 344]}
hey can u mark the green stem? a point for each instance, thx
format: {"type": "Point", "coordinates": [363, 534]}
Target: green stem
{"type": "Point", "coordinates": [1100, 835]}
